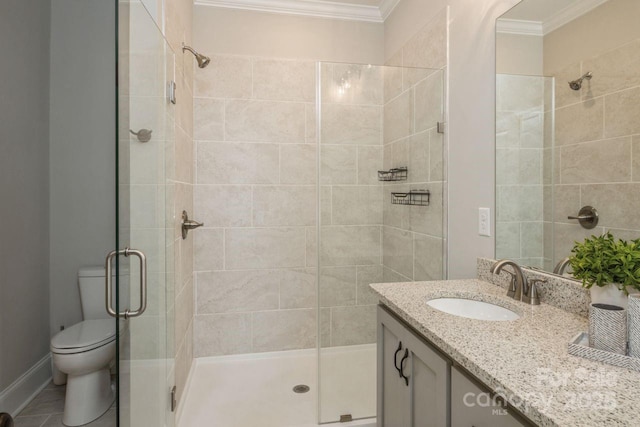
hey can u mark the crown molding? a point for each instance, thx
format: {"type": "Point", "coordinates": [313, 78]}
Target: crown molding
{"type": "Point", "coordinates": [386, 8]}
{"type": "Point", "coordinates": [315, 8]}
{"type": "Point", "coordinates": [518, 26]}
{"type": "Point", "coordinates": [570, 13]}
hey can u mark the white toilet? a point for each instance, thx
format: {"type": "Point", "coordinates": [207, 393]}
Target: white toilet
{"type": "Point", "coordinates": [85, 352]}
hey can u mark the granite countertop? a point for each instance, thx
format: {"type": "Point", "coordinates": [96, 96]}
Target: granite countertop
{"type": "Point", "coordinates": [525, 360]}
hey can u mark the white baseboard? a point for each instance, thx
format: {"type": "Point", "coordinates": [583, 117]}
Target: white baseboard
{"type": "Point", "coordinates": [18, 395]}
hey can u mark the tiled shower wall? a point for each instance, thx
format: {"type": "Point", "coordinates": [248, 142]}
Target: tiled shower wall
{"type": "Point", "coordinates": [351, 202]}
{"type": "Point", "coordinates": [597, 146]}
{"type": "Point", "coordinates": [413, 236]}
{"type": "Point", "coordinates": [256, 193]}
{"type": "Point", "coordinates": [521, 178]}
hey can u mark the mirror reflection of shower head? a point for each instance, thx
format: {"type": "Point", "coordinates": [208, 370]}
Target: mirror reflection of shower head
{"type": "Point", "coordinates": [577, 84]}
{"type": "Point", "coordinates": [203, 61]}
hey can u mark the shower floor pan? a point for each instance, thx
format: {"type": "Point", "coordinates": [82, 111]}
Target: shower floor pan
{"type": "Point", "coordinates": [257, 389]}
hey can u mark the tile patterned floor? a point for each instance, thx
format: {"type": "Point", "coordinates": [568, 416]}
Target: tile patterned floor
{"type": "Point", "coordinates": [46, 411]}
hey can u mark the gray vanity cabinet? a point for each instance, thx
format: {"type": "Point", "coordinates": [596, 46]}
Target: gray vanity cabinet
{"type": "Point", "coordinates": [473, 406]}
{"type": "Point", "coordinates": [413, 378]}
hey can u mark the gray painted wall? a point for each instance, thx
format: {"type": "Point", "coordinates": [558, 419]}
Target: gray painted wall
{"type": "Point", "coordinates": [24, 174]}
{"type": "Point", "coordinates": [82, 147]}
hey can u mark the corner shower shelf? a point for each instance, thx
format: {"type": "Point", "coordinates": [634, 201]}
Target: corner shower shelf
{"type": "Point", "coordinates": [412, 198]}
{"type": "Point", "coordinates": [395, 174]}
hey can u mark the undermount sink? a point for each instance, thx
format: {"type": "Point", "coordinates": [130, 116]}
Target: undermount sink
{"type": "Point", "coordinates": [473, 309]}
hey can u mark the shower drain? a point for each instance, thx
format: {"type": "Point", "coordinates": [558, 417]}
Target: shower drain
{"type": "Point", "coordinates": [301, 388]}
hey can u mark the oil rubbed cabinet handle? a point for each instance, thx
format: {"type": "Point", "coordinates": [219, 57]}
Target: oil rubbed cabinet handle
{"type": "Point", "coordinates": [405, 357]}
{"type": "Point", "coordinates": [395, 358]}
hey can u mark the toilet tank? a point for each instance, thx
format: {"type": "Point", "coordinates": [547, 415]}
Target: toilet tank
{"type": "Point", "coordinates": [92, 292]}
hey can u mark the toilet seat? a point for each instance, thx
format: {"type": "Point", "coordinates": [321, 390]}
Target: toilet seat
{"type": "Point", "coordinates": [84, 336]}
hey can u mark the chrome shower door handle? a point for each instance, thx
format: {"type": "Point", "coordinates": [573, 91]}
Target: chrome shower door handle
{"type": "Point", "coordinates": [109, 283]}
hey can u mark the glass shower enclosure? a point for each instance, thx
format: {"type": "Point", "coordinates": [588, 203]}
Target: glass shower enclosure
{"type": "Point", "coordinates": [145, 221]}
{"type": "Point", "coordinates": [380, 184]}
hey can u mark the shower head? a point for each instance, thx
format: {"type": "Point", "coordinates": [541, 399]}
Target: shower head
{"type": "Point", "coordinates": [203, 61]}
{"type": "Point", "coordinates": [577, 84]}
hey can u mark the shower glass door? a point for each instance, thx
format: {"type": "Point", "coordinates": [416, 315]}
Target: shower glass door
{"type": "Point", "coordinates": [382, 180]}
{"type": "Point", "coordinates": [145, 159]}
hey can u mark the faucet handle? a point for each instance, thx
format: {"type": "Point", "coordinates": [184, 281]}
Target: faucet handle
{"type": "Point", "coordinates": [512, 287]}
{"type": "Point", "coordinates": [535, 297]}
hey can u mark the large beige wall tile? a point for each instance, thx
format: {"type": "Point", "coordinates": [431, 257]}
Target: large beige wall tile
{"type": "Point", "coordinates": [419, 165]}
{"type": "Point", "coordinates": [398, 117]}
{"type": "Point", "coordinates": [564, 95]}
{"type": "Point", "coordinates": [395, 215]}
{"type": "Point", "coordinates": [223, 206]}
{"type": "Point", "coordinates": [183, 160]}
{"type": "Point", "coordinates": [351, 124]}
{"type": "Point", "coordinates": [338, 164]}
{"type": "Point", "coordinates": [350, 245]}
{"type": "Point", "coordinates": [220, 334]}
{"type": "Point", "coordinates": [427, 257]}
{"type": "Point", "coordinates": [284, 330]}
{"type": "Point", "coordinates": [369, 163]}
{"type": "Point", "coordinates": [617, 204]}
{"type": "Point", "coordinates": [236, 163]}
{"type": "Point", "coordinates": [393, 80]}
{"type": "Point", "coordinates": [352, 84]}
{"type": "Point", "coordinates": [519, 93]}
{"type": "Point", "coordinates": [298, 288]}
{"type": "Point", "coordinates": [183, 311]}
{"type": "Point", "coordinates": [311, 254]}
{"type": "Point", "coordinates": [326, 210]}
{"type": "Point", "coordinates": [532, 234]}
{"type": "Point", "coordinates": [532, 130]}
{"type": "Point", "coordinates": [635, 158]}
{"type": "Point", "coordinates": [265, 121]}
{"type": "Point", "coordinates": [390, 276]}
{"type": "Point", "coordinates": [518, 166]}
{"type": "Point", "coordinates": [357, 205]}
{"type": "Point", "coordinates": [235, 291]}
{"type": "Point", "coordinates": [367, 275]}
{"type": "Point", "coordinates": [283, 80]}
{"type": "Point", "coordinates": [311, 123]}
{"type": "Point", "coordinates": [615, 70]}
{"type": "Point", "coordinates": [566, 202]}
{"type": "Point", "coordinates": [517, 203]}
{"type": "Point", "coordinates": [595, 162]}
{"type": "Point", "coordinates": [353, 325]}
{"type": "Point", "coordinates": [621, 113]}
{"type": "Point", "coordinates": [428, 219]}
{"type": "Point", "coordinates": [507, 129]}
{"type": "Point", "coordinates": [508, 240]}
{"type": "Point", "coordinates": [428, 102]}
{"type": "Point", "coordinates": [208, 249]}
{"type": "Point", "coordinates": [428, 48]}
{"type": "Point", "coordinates": [284, 205]}
{"type": "Point", "coordinates": [398, 250]}
{"type": "Point", "coordinates": [258, 248]}
{"type": "Point", "coordinates": [580, 122]}
{"type": "Point", "coordinates": [298, 164]}
{"type": "Point", "coordinates": [224, 77]}
{"type": "Point", "coordinates": [337, 286]}
{"type": "Point", "coordinates": [208, 117]}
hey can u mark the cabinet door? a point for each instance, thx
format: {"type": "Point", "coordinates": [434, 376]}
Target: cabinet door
{"type": "Point", "coordinates": [473, 406]}
{"type": "Point", "coordinates": [393, 393]}
{"type": "Point", "coordinates": [428, 374]}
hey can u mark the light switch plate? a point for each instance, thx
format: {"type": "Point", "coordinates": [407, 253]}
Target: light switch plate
{"type": "Point", "coordinates": [484, 222]}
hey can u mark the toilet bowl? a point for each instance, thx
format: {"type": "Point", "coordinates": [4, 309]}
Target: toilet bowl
{"type": "Point", "coordinates": [85, 352]}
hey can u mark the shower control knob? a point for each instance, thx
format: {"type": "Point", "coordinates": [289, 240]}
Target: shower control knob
{"type": "Point", "coordinates": [188, 224]}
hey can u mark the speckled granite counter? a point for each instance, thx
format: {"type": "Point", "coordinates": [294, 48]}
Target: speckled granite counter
{"type": "Point", "coordinates": [525, 360]}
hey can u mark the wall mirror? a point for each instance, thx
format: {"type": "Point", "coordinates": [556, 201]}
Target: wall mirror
{"type": "Point", "coordinates": [567, 126]}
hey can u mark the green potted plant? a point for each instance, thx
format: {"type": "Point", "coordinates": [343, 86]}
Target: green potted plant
{"type": "Point", "coordinates": [609, 267]}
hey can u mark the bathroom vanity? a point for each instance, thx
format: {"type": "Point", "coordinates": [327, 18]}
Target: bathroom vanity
{"type": "Point", "coordinates": [441, 369]}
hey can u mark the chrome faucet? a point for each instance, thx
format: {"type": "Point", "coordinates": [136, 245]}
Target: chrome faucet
{"type": "Point", "coordinates": [561, 266]}
{"type": "Point", "coordinates": [519, 289]}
